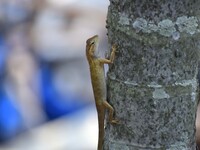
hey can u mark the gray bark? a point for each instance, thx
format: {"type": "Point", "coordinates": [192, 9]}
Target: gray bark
{"type": "Point", "coordinates": [152, 84]}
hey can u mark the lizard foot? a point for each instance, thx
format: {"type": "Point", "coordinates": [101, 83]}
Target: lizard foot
{"type": "Point", "coordinates": [115, 122]}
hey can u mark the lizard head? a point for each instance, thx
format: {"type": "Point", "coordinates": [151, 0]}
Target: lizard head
{"type": "Point", "coordinates": [92, 45]}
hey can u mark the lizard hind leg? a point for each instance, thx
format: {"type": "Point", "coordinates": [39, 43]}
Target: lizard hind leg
{"type": "Point", "coordinates": [111, 112]}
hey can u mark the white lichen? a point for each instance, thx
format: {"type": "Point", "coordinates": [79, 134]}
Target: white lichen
{"type": "Point", "coordinates": [186, 82]}
{"type": "Point", "coordinates": [176, 35]}
{"type": "Point", "coordinates": [140, 24]}
{"type": "Point", "coordinates": [166, 27]}
{"type": "Point", "coordinates": [192, 83]}
{"type": "Point", "coordinates": [154, 85]}
{"type": "Point", "coordinates": [130, 83]}
{"type": "Point", "coordinates": [124, 20]}
{"type": "Point", "coordinates": [152, 27]}
{"type": "Point", "coordinates": [187, 24]}
{"type": "Point", "coordinates": [159, 93]}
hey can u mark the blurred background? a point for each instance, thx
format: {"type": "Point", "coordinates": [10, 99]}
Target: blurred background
{"type": "Point", "coordinates": [46, 99]}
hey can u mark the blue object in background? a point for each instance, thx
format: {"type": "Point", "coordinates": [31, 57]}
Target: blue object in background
{"type": "Point", "coordinates": [3, 54]}
{"type": "Point", "coordinates": [11, 121]}
{"type": "Point", "coordinates": [10, 118]}
{"type": "Point", "coordinates": [56, 105]}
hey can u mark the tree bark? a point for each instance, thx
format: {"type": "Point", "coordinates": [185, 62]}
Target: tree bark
{"type": "Point", "coordinates": [152, 84]}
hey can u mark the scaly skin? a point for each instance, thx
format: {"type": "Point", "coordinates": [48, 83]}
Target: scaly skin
{"type": "Point", "coordinates": [99, 84]}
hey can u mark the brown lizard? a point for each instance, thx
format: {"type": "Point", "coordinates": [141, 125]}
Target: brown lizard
{"type": "Point", "coordinates": [99, 84]}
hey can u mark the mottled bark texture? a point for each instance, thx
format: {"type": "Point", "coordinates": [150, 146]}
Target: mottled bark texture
{"type": "Point", "coordinates": [152, 84]}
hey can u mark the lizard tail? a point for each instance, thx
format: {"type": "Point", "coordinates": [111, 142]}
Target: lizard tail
{"type": "Point", "coordinates": [101, 116]}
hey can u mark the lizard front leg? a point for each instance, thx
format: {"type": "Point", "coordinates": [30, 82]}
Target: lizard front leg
{"type": "Point", "coordinates": [112, 56]}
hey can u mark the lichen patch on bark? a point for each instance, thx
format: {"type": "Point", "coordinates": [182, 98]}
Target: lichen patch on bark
{"type": "Point", "coordinates": [167, 27]}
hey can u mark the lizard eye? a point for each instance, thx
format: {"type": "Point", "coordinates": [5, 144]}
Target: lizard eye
{"type": "Point", "coordinates": [91, 43]}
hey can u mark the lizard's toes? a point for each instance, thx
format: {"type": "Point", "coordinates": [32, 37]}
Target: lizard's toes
{"type": "Point", "coordinates": [115, 122]}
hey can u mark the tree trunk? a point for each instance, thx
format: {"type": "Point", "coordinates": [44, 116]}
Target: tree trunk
{"type": "Point", "coordinates": [152, 84]}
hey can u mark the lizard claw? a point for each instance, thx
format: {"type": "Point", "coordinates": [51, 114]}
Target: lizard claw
{"type": "Point", "coordinates": [114, 48]}
{"type": "Point", "coordinates": [115, 122]}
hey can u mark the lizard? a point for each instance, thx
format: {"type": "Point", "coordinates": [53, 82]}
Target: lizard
{"type": "Point", "coordinates": [98, 80]}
